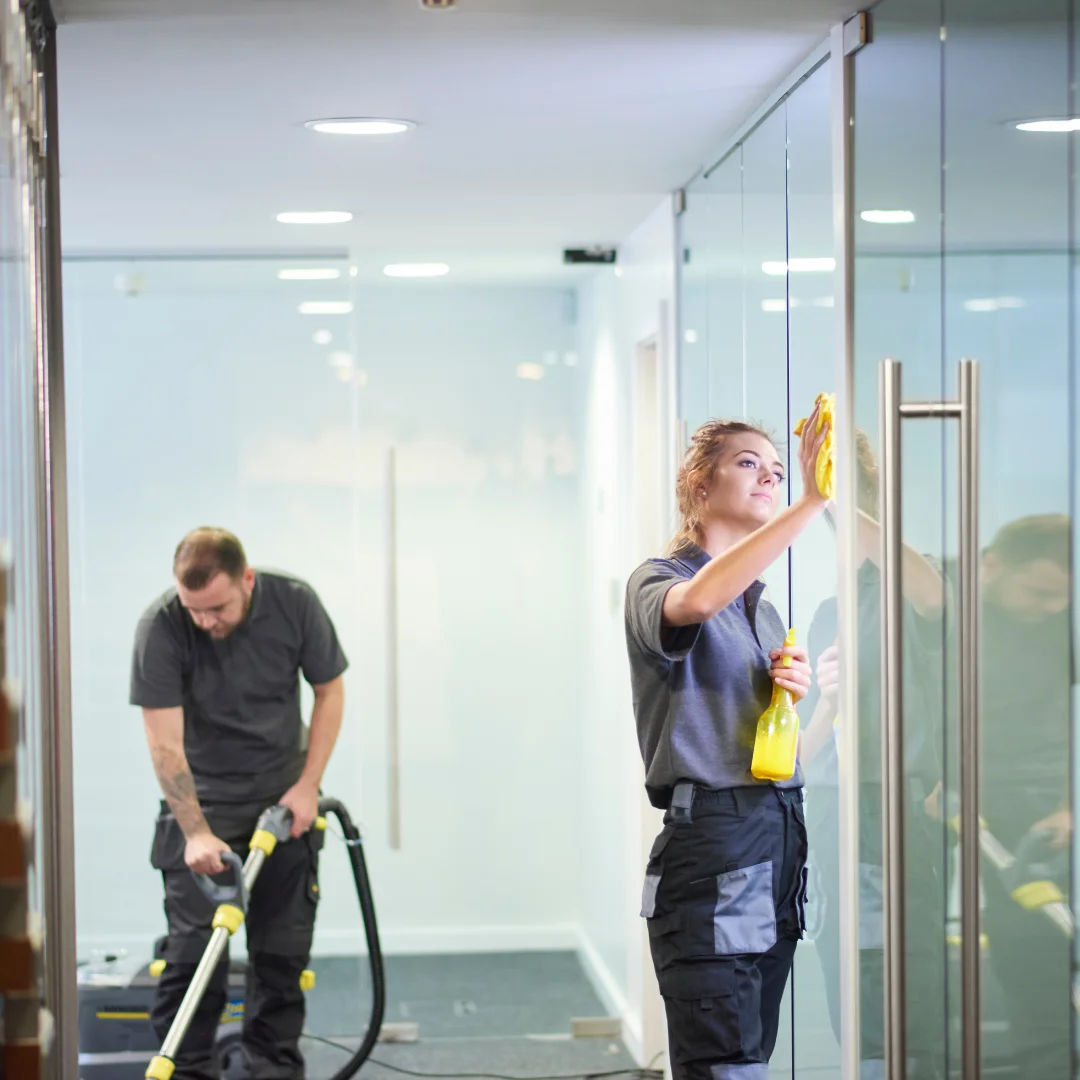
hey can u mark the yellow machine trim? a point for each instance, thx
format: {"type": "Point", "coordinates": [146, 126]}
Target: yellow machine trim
{"type": "Point", "coordinates": [1037, 894]}
{"type": "Point", "coordinates": [116, 1015]}
{"type": "Point", "coordinates": [160, 1068]}
{"type": "Point", "coordinates": [228, 916]}
{"type": "Point", "coordinates": [263, 840]}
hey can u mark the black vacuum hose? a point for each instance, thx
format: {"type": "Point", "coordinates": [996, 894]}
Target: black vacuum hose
{"type": "Point", "coordinates": [371, 932]}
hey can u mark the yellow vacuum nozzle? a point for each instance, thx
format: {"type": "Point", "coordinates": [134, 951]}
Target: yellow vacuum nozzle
{"type": "Point", "coordinates": [824, 470]}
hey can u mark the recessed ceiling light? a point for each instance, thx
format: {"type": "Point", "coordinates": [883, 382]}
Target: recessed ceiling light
{"type": "Point", "coordinates": [340, 359]}
{"type": "Point", "coordinates": [776, 305]}
{"type": "Point", "coordinates": [1060, 124]}
{"type": "Point", "coordinates": [888, 217]}
{"type": "Point", "coordinates": [313, 274]}
{"type": "Point", "coordinates": [416, 270]}
{"type": "Point", "coordinates": [359, 125]}
{"type": "Point", "coordinates": [799, 266]}
{"type": "Point", "coordinates": [530, 371]}
{"type": "Point", "coordinates": [314, 217]}
{"type": "Point", "coordinates": [325, 307]}
{"type": "Point", "coordinates": [691, 337]}
{"type": "Point", "coordinates": [322, 337]}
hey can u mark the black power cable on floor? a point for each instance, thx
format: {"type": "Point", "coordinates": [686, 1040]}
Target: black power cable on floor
{"type": "Point", "coordinates": [636, 1073]}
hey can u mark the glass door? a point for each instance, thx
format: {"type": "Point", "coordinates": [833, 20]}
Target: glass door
{"type": "Point", "coordinates": [962, 359]}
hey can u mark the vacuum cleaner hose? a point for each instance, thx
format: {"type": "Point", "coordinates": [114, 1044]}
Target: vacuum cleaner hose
{"type": "Point", "coordinates": [371, 932]}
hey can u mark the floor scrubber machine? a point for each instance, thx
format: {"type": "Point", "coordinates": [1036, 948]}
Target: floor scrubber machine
{"type": "Point", "coordinates": [116, 1039]}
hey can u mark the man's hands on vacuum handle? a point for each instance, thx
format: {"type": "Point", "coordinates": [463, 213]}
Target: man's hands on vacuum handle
{"type": "Point", "coordinates": [165, 737]}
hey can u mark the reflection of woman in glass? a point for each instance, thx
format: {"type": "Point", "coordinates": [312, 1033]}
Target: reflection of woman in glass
{"type": "Point", "coordinates": [725, 885]}
{"type": "Point", "coordinates": [924, 596]}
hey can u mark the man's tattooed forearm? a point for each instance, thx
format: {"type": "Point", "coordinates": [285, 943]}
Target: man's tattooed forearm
{"type": "Point", "coordinates": [178, 786]}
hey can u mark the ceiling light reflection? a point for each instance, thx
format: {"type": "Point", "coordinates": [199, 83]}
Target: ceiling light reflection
{"type": "Point", "coordinates": [416, 270]}
{"type": "Point", "coordinates": [985, 305]}
{"type": "Point", "coordinates": [314, 217]}
{"type": "Point", "coordinates": [325, 307]}
{"type": "Point", "coordinates": [1062, 124]}
{"type": "Point", "coordinates": [313, 274]}
{"type": "Point", "coordinates": [888, 217]}
{"type": "Point", "coordinates": [530, 371]}
{"type": "Point", "coordinates": [322, 337]}
{"type": "Point", "coordinates": [356, 125]}
{"type": "Point", "coordinates": [799, 266]}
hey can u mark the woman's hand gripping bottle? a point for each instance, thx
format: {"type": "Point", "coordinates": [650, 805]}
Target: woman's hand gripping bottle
{"type": "Point", "coordinates": [777, 742]}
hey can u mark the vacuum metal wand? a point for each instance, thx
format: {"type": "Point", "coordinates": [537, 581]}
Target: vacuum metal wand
{"type": "Point", "coordinates": [232, 900]}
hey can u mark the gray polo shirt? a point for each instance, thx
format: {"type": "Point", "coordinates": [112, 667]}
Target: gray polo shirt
{"type": "Point", "coordinates": [698, 690]}
{"type": "Point", "coordinates": [243, 733]}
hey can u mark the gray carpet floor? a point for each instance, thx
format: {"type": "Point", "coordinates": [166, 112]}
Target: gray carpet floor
{"type": "Point", "coordinates": [456, 996]}
{"type": "Point", "coordinates": [517, 1057]}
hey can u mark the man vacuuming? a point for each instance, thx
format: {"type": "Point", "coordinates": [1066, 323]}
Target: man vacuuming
{"type": "Point", "coordinates": [216, 670]}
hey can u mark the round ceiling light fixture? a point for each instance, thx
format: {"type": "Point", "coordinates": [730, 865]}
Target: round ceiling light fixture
{"type": "Point", "coordinates": [359, 125]}
{"type": "Point", "coordinates": [314, 217]}
{"type": "Point", "coordinates": [416, 270]}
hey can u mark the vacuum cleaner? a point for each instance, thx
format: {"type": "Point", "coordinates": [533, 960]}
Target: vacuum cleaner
{"type": "Point", "coordinates": [116, 1039]}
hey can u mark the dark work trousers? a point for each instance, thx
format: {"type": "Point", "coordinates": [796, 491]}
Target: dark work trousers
{"type": "Point", "coordinates": [280, 923]}
{"type": "Point", "coordinates": [725, 894]}
{"type": "Point", "coordinates": [927, 1011]}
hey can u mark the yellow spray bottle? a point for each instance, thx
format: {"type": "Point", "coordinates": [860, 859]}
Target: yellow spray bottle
{"type": "Point", "coordinates": [777, 742]}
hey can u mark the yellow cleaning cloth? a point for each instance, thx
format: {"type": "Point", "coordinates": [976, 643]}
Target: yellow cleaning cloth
{"type": "Point", "coordinates": [823, 470]}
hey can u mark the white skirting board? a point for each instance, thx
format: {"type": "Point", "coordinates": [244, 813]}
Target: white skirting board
{"type": "Point", "coordinates": [611, 994]}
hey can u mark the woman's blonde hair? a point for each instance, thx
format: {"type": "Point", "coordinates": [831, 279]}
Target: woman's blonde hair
{"type": "Point", "coordinates": [696, 472]}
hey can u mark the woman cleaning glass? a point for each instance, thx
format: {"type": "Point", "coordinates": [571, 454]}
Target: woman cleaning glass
{"type": "Point", "coordinates": [726, 881]}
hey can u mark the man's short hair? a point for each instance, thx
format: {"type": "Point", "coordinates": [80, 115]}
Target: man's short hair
{"type": "Point", "coordinates": [1029, 539]}
{"type": "Point", "coordinates": [206, 552]}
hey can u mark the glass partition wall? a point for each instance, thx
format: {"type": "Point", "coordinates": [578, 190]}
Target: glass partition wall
{"type": "Point", "coordinates": [963, 215]}
{"type": "Point", "coordinates": [758, 343]}
{"type": "Point", "coordinates": [409, 450]}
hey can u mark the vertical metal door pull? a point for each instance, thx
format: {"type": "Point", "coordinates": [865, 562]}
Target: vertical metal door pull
{"type": "Point", "coordinates": [893, 411]}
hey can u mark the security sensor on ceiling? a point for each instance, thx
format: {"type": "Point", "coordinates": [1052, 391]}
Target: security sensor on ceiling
{"type": "Point", "coordinates": [438, 5]}
{"type": "Point", "coordinates": [589, 255]}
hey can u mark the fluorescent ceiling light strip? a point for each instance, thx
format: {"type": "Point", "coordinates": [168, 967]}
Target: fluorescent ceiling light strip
{"type": "Point", "coordinates": [888, 217]}
{"type": "Point", "coordinates": [359, 125]}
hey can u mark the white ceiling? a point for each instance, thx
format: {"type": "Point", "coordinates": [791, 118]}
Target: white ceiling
{"type": "Point", "coordinates": [542, 123]}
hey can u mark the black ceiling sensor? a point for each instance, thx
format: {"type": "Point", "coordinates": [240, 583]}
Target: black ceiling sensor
{"type": "Point", "coordinates": [589, 255]}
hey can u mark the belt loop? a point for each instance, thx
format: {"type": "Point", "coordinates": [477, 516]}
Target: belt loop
{"type": "Point", "coordinates": [682, 798]}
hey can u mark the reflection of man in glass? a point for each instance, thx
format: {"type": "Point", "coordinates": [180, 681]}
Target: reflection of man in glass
{"type": "Point", "coordinates": [924, 595]}
{"type": "Point", "coordinates": [1025, 710]}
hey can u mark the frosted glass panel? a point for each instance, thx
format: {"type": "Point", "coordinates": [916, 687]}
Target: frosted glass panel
{"type": "Point", "coordinates": [198, 392]}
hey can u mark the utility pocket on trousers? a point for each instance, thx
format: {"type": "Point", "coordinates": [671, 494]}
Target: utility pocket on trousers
{"type": "Point", "coordinates": [744, 920]}
{"type": "Point", "coordinates": [713, 1011]}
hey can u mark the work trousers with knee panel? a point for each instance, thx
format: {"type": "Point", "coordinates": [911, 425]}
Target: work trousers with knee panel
{"type": "Point", "coordinates": [280, 923]}
{"type": "Point", "coordinates": [725, 895]}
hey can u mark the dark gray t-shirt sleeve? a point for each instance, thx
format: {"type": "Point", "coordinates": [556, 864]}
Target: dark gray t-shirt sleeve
{"type": "Point", "coordinates": [645, 593]}
{"type": "Point", "coordinates": [157, 680]}
{"type": "Point", "coordinates": [321, 657]}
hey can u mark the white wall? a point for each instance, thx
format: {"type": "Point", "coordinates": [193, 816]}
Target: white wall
{"type": "Point", "coordinates": [616, 314]}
